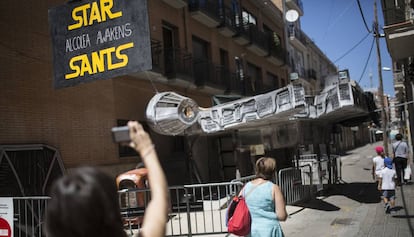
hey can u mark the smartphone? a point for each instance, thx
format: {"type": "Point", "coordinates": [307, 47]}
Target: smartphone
{"type": "Point", "coordinates": [121, 134]}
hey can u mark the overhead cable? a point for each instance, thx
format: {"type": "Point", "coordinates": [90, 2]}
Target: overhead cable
{"type": "Point", "coordinates": [366, 63]}
{"type": "Point", "coordinates": [363, 17]}
{"type": "Point", "coordinates": [396, 105]}
{"type": "Point", "coordinates": [356, 45]}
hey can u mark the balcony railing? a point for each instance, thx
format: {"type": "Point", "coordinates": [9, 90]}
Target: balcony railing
{"type": "Point", "coordinates": [156, 52]}
{"type": "Point", "coordinates": [277, 54]}
{"type": "Point", "coordinates": [396, 11]}
{"type": "Point", "coordinates": [176, 63]}
{"type": "Point", "coordinates": [207, 12]}
{"type": "Point", "coordinates": [297, 34]}
{"type": "Point", "coordinates": [228, 22]}
{"type": "Point", "coordinates": [243, 34]}
{"type": "Point", "coordinates": [259, 40]}
{"type": "Point", "coordinates": [207, 73]}
{"type": "Point", "coordinates": [171, 62]}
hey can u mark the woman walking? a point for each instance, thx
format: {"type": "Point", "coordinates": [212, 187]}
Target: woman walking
{"type": "Point", "coordinates": [265, 201]}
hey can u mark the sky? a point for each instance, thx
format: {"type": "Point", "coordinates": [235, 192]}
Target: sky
{"type": "Point", "coordinates": [336, 26]}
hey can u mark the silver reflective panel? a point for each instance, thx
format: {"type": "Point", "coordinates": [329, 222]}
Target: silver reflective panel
{"type": "Point", "coordinates": [172, 114]}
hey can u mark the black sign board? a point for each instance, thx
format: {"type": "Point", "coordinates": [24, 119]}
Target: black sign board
{"type": "Point", "coordinates": [99, 39]}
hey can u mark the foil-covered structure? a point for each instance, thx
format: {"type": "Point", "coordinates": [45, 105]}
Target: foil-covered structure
{"type": "Point", "coordinates": [169, 113]}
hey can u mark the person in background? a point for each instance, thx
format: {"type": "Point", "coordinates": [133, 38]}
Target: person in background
{"type": "Point", "coordinates": [387, 185]}
{"type": "Point", "coordinates": [400, 149]}
{"type": "Point", "coordinates": [378, 162]}
{"type": "Point", "coordinates": [85, 202]}
{"type": "Point", "coordinates": [265, 201]}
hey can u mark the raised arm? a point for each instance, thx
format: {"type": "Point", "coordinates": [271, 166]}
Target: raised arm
{"type": "Point", "coordinates": [156, 213]}
{"type": "Point", "coordinates": [280, 206]}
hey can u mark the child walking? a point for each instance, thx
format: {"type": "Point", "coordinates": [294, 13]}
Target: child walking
{"type": "Point", "coordinates": [387, 184]}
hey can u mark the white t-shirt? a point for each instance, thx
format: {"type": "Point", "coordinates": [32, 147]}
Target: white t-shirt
{"type": "Point", "coordinates": [378, 163]}
{"type": "Point", "coordinates": [387, 176]}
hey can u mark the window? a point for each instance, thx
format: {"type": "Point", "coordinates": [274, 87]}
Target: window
{"type": "Point", "coordinates": [170, 42]}
{"type": "Point", "coordinates": [248, 18]}
{"type": "Point", "coordinates": [255, 78]}
{"type": "Point", "coordinates": [201, 61]}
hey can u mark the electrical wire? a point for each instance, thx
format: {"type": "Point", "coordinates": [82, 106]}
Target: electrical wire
{"type": "Point", "coordinates": [396, 105]}
{"type": "Point", "coordinates": [332, 23]}
{"type": "Point", "coordinates": [363, 17]}
{"type": "Point", "coordinates": [366, 63]}
{"type": "Point", "coordinates": [353, 47]}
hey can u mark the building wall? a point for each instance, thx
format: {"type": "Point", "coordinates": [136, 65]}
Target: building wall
{"type": "Point", "coordinates": [77, 120]}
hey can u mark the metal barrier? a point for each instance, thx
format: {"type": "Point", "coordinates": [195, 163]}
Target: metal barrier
{"type": "Point", "coordinates": [292, 182]}
{"type": "Point", "coordinates": [198, 209]}
{"type": "Point", "coordinates": [326, 170]}
{"type": "Point", "coordinates": [246, 179]}
{"type": "Point", "coordinates": [336, 168]}
{"type": "Point", "coordinates": [29, 214]}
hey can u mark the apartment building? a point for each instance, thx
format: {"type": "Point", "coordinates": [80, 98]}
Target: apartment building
{"type": "Point", "coordinates": [199, 49]}
{"type": "Point", "coordinates": [399, 35]}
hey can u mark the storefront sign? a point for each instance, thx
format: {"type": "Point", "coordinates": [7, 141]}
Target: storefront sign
{"type": "Point", "coordinates": [6, 216]}
{"type": "Point", "coordinates": [99, 39]}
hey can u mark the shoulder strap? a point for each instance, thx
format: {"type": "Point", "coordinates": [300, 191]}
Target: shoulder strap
{"type": "Point", "coordinates": [251, 190]}
{"type": "Point", "coordinates": [395, 148]}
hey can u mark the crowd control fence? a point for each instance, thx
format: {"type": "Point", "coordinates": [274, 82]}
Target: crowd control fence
{"type": "Point", "coordinates": [28, 216]}
{"type": "Point", "coordinates": [198, 209]}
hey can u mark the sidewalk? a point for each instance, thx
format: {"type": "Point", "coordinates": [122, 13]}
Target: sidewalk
{"type": "Point", "coordinates": [353, 208]}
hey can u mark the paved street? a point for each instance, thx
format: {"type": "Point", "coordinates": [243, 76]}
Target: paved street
{"type": "Point", "coordinates": [349, 209]}
{"type": "Point", "coordinates": [353, 208]}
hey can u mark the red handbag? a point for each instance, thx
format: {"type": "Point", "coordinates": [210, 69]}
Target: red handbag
{"type": "Point", "coordinates": [239, 223]}
{"type": "Point", "coordinates": [238, 215]}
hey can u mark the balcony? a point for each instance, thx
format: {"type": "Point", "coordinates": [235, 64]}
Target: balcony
{"type": "Point", "coordinates": [178, 67]}
{"type": "Point", "coordinates": [296, 5]}
{"type": "Point", "coordinates": [208, 74]}
{"type": "Point", "coordinates": [176, 3]}
{"type": "Point", "coordinates": [227, 26]}
{"type": "Point", "coordinates": [277, 54]}
{"type": "Point", "coordinates": [206, 12]}
{"type": "Point", "coordinates": [259, 41]}
{"type": "Point", "coordinates": [242, 36]}
{"type": "Point", "coordinates": [156, 54]}
{"type": "Point", "coordinates": [297, 38]}
{"type": "Point", "coordinates": [178, 64]}
{"type": "Point", "coordinates": [399, 28]}
{"type": "Point", "coordinates": [169, 63]}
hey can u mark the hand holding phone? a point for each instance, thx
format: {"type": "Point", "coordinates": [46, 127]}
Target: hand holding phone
{"type": "Point", "coordinates": [121, 134]}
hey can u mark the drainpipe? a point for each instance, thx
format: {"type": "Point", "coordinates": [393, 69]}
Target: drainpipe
{"type": "Point", "coordinates": [287, 45]}
{"type": "Point", "coordinates": [185, 29]}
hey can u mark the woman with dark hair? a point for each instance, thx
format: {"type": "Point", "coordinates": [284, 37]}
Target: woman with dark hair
{"type": "Point", "coordinates": [85, 202]}
{"type": "Point", "coordinates": [400, 157]}
{"type": "Point", "coordinates": [265, 201]}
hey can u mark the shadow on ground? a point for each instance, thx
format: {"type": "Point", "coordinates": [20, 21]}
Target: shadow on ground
{"type": "Point", "coordinates": [318, 204]}
{"type": "Point", "coordinates": [360, 192]}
